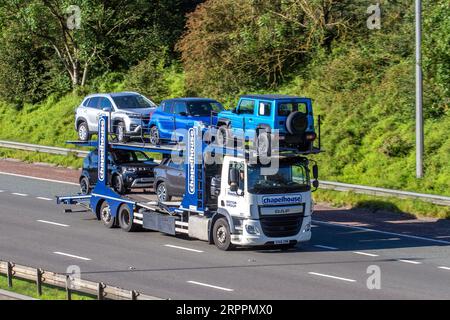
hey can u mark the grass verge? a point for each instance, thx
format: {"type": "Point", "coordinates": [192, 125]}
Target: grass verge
{"type": "Point", "coordinates": [28, 288]}
{"type": "Point", "coordinates": [417, 208]}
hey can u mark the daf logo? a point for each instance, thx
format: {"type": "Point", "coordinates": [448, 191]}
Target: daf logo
{"type": "Point", "coordinates": [101, 150]}
{"type": "Point", "coordinates": [191, 160]}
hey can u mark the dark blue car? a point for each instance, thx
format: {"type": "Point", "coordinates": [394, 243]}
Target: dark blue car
{"type": "Point", "coordinates": [174, 116]}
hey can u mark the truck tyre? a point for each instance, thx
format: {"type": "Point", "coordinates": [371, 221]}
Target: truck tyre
{"type": "Point", "coordinates": [121, 133]}
{"type": "Point", "coordinates": [161, 193]}
{"type": "Point", "coordinates": [296, 123]}
{"type": "Point", "coordinates": [222, 235]}
{"type": "Point", "coordinates": [154, 136]}
{"type": "Point", "coordinates": [83, 132]}
{"type": "Point", "coordinates": [263, 143]}
{"type": "Point", "coordinates": [85, 186]}
{"type": "Point", "coordinates": [118, 185]}
{"type": "Point", "coordinates": [105, 215]}
{"type": "Point", "coordinates": [126, 219]}
{"type": "Point", "coordinates": [223, 136]}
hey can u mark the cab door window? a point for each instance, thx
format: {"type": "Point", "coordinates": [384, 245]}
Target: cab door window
{"type": "Point", "coordinates": [247, 107]}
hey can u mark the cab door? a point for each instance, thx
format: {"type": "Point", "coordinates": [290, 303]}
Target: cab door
{"type": "Point", "coordinates": [235, 202]}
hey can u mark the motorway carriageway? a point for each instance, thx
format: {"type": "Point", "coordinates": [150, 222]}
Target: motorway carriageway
{"type": "Point", "coordinates": [34, 231]}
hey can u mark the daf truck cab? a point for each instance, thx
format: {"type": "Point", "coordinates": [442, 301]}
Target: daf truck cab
{"type": "Point", "coordinates": [263, 204]}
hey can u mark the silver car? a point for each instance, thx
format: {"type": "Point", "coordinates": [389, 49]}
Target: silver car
{"type": "Point", "coordinates": [129, 113]}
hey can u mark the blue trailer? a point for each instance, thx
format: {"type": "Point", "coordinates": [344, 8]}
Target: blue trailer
{"type": "Point", "coordinates": [232, 197]}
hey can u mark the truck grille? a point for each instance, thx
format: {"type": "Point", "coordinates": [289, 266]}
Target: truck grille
{"type": "Point", "coordinates": [281, 226]}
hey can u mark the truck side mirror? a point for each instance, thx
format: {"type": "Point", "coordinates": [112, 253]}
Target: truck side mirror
{"type": "Point", "coordinates": [233, 179]}
{"type": "Point", "coordinates": [315, 184]}
{"type": "Point", "coordinates": [316, 172]}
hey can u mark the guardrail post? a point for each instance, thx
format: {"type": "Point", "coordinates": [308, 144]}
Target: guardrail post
{"type": "Point", "coordinates": [9, 273]}
{"type": "Point", "coordinates": [39, 273]}
{"type": "Point", "coordinates": [101, 291]}
{"type": "Point", "coordinates": [68, 288]}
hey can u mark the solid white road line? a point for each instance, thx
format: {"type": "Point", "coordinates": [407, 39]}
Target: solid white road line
{"type": "Point", "coordinates": [36, 178]}
{"type": "Point", "coordinates": [332, 277]}
{"type": "Point", "coordinates": [378, 231]}
{"type": "Point", "coordinates": [53, 223]}
{"type": "Point", "coordinates": [182, 248]}
{"type": "Point", "coordinates": [19, 194]}
{"type": "Point", "coordinates": [444, 268]}
{"type": "Point", "coordinates": [71, 256]}
{"type": "Point", "coordinates": [325, 247]}
{"type": "Point", "coordinates": [2, 191]}
{"type": "Point", "coordinates": [210, 286]}
{"type": "Point", "coordinates": [409, 261]}
{"type": "Point", "coordinates": [43, 198]}
{"type": "Point", "coordinates": [366, 254]}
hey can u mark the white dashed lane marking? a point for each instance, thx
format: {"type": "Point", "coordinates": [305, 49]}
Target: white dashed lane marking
{"type": "Point", "coordinates": [409, 261]}
{"type": "Point", "coordinates": [444, 268]}
{"type": "Point", "coordinates": [182, 248]}
{"type": "Point", "coordinates": [210, 286]}
{"type": "Point", "coordinates": [366, 254]}
{"type": "Point", "coordinates": [325, 247]}
{"type": "Point", "coordinates": [43, 198]}
{"type": "Point", "coordinates": [19, 194]}
{"type": "Point", "coordinates": [71, 256]}
{"type": "Point", "coordinates": [54, 223]}
{"type": "Point", "coordinates": [332, 277]}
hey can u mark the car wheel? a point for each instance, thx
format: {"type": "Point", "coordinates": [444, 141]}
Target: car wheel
{"type": "Point", "coordinates": [121, 133]}
{"type": "Point", "coordinates": [222, 135]}
{"type": "Point", "coordinates": [263, 146]}
{"type": "Point", "coordinates": [126, 219]}
{"type": "Point", "coordinates": [106, 216]}
{"type": "Point", "coordinates": [83, 132]}
{"type": "Point", "coordinates": [118, 184]}
{"type": "Point", "coordinates": [161, 193]}
{"type": "Point", "coordinates": [222, 235]}
{"type": "Point", "coordinates": [154, 136]}
{"type": "Point", "coordinates": [85, 186]}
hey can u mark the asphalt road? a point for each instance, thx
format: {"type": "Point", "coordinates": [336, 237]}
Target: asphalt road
{"type": "Point", "coordinates": [34, 231]}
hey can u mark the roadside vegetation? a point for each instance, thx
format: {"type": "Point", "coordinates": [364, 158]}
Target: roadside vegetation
{"type": "Point", "coordinates": [361, 80]}
{"type": "Point", "coordinates": [28, 288]}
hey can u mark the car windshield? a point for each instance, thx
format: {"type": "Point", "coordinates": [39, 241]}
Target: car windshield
{"type": "Point", "coordinates": [124, 156]}
{"type": "Point", "coordinates": [133, 102]}
{"type": "Point", "coordinates": [289, 178]}
{"type": "Point", "coordinates": [203, 108]}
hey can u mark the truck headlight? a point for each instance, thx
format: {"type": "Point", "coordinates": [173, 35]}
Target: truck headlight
{"type": "Point", "coordinates": [251, 229]}
{"type": "Point", "coordinates": [129, 169]}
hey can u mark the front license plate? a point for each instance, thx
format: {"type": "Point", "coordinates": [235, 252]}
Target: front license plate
{"type": "Point", "coordinates": [281, 242]}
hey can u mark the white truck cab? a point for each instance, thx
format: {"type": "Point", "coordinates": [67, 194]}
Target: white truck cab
{"type": "Point", "coordinates": [266, 207]}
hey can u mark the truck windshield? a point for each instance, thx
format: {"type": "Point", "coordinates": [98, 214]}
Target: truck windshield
{"type": "Point", "coordinates": [203, 108]}
{"type": "Point", "coordinates": [288, 179]}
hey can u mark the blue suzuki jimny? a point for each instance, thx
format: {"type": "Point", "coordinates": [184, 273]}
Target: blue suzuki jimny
{"type": "Point", "coordinates": [260, 116]}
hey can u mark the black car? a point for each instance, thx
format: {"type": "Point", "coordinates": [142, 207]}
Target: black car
{"type": "Point", "coordinates": [126, 170]}
{"type": "Point", "coordinates": [169, 180]}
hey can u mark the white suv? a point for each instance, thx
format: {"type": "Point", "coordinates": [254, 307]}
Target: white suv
{"type": "Point", "coordinates": [129, 113]}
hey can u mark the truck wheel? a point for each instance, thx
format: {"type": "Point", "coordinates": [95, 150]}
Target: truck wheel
{"type": "Point", "coordinates": [121, 133]}
{"type": "Point", "coordinates": [125, 219]}
{"type": "Point", "coordinates": [161, 193]}
{"type": "Point", "coordinates": [154, 136]}
{"type": "Point", "coordinates": [83, 132]}
{"type": "Point", "coordinates": [222, 235]}
{"type": "Point", "coordinates": [85, 186]}
{"type": "Point", "coordinates": [222, 136]}
{"type": "Point", "coordinates": [118, 184]}
{"type": "Point", "coordinates": [105, 215]}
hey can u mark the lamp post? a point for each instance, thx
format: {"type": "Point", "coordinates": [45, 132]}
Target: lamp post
{"type": "Point", "coordinates": [419, 92]}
